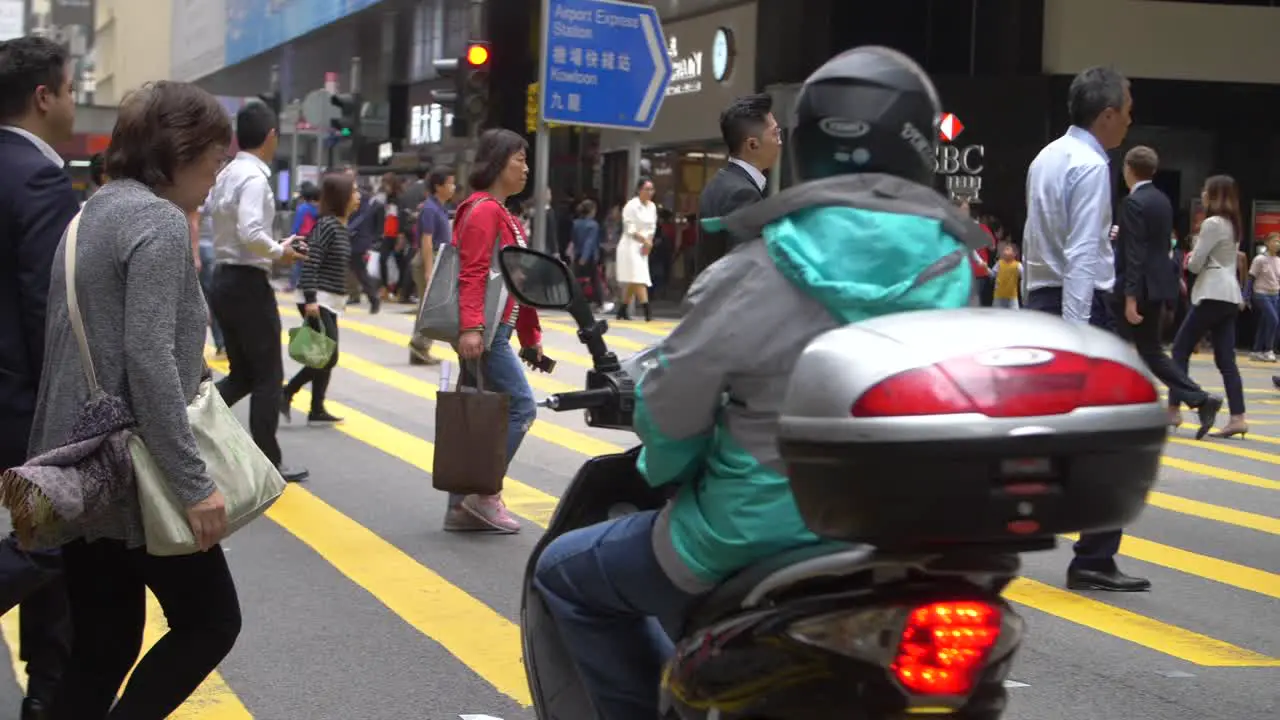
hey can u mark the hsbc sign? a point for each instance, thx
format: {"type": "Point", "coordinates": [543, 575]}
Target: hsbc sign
{"type": "Point", "coordinates": [960, 165]}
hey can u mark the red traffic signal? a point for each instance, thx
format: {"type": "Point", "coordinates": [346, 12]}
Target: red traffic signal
{"type": "Point", "coordinates": [477, 54]}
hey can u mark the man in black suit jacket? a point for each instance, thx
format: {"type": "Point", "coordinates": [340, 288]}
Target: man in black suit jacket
{"type": "Point", "coordinates": [37, 109]}
{"type": "Point", "coordinates": [1146, 280]}
{"type": "Point", "coordinates": [754, 140]}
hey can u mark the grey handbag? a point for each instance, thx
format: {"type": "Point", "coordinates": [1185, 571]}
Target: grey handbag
{"type": "Point", "coordinates": [439, 313]}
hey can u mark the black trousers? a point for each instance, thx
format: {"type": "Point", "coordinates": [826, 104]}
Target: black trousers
{"type": "Point", "coordinates": [34, 581]}
{"type": "Point", "coordinates": [107, 585]}
{"type": "Point", "coordinates": [1145, 337]}
{"type": "Point", "coordinates": [318, 377]}
{"type": "Point", "coordinates": [1217, 319]}
{"type": "Point", "coordinates": [244, 304]}
{"type": "Point", "coordinates": [1096, 550]}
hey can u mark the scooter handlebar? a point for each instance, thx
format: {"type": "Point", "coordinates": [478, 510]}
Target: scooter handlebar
{"type": "Point", "coordinates": [578, 400]}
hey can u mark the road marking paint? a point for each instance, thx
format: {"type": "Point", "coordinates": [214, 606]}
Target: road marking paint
{"type": "Point", "coordinates": [478, 636]}
{"type": "Point", "coordinates": [1230, 516]}
{"type": "Point", "coordinates": [1221, 446]}
{"type": "Point", "coordinates": [539, 381]}
{"type": "Point", "coordinates": [548, 431]}
{"type": "Point", "coordinates": [1220, 473]}
{"type": "Point", "coordinates": [1171, 640]}
{"type": "Point", "coordinates": [1209, 568]}
{"type": "Point", "coordinates": [1015, 684]}
{"type": "Point", "coordinates": [213, 700]}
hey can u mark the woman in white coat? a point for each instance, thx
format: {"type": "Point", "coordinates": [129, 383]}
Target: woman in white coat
{"type": "Point", "coordinates": [639, 223]}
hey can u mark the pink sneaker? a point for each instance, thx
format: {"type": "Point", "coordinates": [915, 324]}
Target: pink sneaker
{"type": "Point", "coordinates": [490, 510]}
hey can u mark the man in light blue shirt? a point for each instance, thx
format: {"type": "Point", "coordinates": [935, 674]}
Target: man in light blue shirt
{"type": "Point", "coordinates": [1068, 261]}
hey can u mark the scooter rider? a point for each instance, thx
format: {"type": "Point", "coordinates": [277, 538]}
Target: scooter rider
{"type": "Point", "coordinates": [864, 235]}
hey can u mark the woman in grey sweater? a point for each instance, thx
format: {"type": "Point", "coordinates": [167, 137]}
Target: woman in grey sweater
{"type": "Point", "coordinates": [145, 318]}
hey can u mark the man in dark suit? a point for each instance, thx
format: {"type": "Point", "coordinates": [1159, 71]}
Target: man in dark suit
{"type": "Point", "coordinates": [1146, 280]}
{"type": "Point", "coordinates": [754, 140]}
{"type": "Point", "coordinates": [37, 109]}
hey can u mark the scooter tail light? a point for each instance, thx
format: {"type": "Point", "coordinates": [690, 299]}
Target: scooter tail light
{"type": "Point", "coordinates": [945, 646]}
{"type": "Point", "coordinates": [1008, 382]}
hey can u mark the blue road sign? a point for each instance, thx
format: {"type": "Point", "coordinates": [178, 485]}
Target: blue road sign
{"type": "Point", "coordinates": [607, 64]}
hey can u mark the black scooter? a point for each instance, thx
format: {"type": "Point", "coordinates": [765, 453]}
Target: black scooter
{"type": "Point", "coordinates": [846, 632]}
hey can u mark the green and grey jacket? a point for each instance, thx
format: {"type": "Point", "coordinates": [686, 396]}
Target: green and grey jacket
{"type": "Point", "coordinates": [826, 254]}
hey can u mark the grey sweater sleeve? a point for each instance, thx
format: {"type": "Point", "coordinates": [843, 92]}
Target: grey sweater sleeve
{"type": "Point", "coordinates": [156, 267]}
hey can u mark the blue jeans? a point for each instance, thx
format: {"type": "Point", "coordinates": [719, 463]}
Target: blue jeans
{"type": "Point", "coordinates": [504, 373]}
{"type": "Point", "coordinates": [207, 263]}
{"type": "Point", "coordinates": [1268, 309]}
{"type": "Point", "coordinates": [295, 274]}
{"type": "Point", "coordinates": [611, 602]}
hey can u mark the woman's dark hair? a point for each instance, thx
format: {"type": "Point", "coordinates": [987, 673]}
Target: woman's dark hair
{"type": "Point", "coordinates": [641, 182]}
{"type": "Point", "coordinates": [587, 209]}
{"type": "Point", "coordinates": [1223, 200]}
{"type": "Point", "coordinates": [163, 126]}
{"type": "Point", "coordinates": [494, 150]}
{"type": "Point", "coordinates": [96, 173]}
{"type": "Point", "coordinates": [335, 194]}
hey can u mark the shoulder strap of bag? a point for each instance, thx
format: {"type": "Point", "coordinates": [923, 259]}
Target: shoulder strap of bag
{"type": "Point", "coordinates": [73, 307]}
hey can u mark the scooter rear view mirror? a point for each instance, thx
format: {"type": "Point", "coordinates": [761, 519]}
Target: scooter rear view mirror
{"type": "Point", "coordinates": [536, 279]}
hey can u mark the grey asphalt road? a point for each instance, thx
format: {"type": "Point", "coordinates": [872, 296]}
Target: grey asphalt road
{"type": "Point", "coordinates": [357, 605]}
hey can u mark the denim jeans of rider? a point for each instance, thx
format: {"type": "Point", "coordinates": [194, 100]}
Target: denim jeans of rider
{"type": "Point", "coordinates": [1096, 550]}
{"type": "Point", "coordinates": [503, 372]}
{"type": "Point", "coordinates": [616, 611]}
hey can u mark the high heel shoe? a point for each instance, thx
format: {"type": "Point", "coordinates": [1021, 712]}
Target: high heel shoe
{"type": "Point", "coordinates": [1228, 432]}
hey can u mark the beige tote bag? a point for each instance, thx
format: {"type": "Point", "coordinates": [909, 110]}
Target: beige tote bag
{"type": "Point", "coordinates": [248, 480]}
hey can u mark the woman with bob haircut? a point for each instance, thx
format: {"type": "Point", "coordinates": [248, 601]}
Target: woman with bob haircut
{"type": "Point", "coordinates": [145, 318]}
{"type": "Point", "coordinates": [1216, 300]}
{"type": "Point", "coordinates": [482, 219]}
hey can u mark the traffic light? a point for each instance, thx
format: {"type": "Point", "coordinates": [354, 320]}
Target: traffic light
{"type": "Point", "coordinates": [451, 99]}
{"type": "Point", "coordinates": [347, 124]}
{"type": "Point", "coordinates": [476, 64]}
{"type": "Point", "coordinates": [469, 98]}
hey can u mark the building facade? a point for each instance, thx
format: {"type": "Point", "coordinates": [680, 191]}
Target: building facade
{"type": "Point", "coordinates": [132, 46]}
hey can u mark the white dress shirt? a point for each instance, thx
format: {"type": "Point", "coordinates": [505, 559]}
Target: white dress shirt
{"type": "Point", "coordinates": [752, 170]}
{"type": "Point", "coordinates": [1066, 241]}
{"type": "Point", "coordinates": [45, 148]}
{"type": "Point", "coordinates": [243, 208]}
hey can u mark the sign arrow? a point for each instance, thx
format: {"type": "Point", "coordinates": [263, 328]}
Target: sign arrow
{"type": "Point", "coordinates": [605, 64]}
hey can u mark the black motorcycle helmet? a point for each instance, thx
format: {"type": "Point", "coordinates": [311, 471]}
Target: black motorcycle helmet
{"type": "Point", "coordinates": [867, 110]}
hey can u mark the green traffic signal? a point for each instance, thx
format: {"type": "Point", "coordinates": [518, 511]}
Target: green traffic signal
{"type": "Point", "coordinates": [346, 132]}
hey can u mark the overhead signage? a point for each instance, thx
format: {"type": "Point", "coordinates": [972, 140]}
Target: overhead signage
{"type": "Point", "coordinates": [607, 65]}
{"type": "Point", "coordinates": [428, 124]}
{"type": "Point", "coordinates": [686, 72]}
{"type": "Point", "coordinates": [960, 166]}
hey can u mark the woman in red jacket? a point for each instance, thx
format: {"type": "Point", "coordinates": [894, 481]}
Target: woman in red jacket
{"type": "Point", "coordinates": [500, 172]}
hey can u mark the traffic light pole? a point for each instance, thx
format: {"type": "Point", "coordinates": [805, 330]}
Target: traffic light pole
{"type": "Point", "coordinates": [542, 147]}
{"type": "Point", "coordinates": [357, 130]}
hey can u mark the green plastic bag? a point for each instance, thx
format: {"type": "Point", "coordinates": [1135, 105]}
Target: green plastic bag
{"type": "Point", "coordinates": [310, 346]}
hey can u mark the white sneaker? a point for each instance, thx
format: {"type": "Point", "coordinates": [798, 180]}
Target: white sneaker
{"type": "Point", "coordinates": [1269, 356]}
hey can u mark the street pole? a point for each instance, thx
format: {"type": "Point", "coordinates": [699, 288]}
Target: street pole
{"type": "Point", "coordinates": [542, 145]}
{"type": "Point", "coordinates": [296, 105]}
{"type": "Point", "coordinates": [357, 130]}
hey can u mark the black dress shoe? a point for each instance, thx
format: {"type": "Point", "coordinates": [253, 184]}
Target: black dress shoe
{"type": "Point", "coordinates": [1108, 580]}
{"type": "Point", "coordinates": [1208, 414]}
{"type": "Point", "coordinates": [293, 475]}
{"type": "Point", "coordinates": [1275, 380]}
{"type": "Point", "coordinates": [33, 709]}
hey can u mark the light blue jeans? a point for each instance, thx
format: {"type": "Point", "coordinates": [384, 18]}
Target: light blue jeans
{"type": "Point", "coordinates": [503, 372]}
{"type": "Point", "coordinates": [1267, 308]}
{"type": "Point", "coordinates": [613, 604]}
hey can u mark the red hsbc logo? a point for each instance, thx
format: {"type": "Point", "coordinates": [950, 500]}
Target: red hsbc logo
{"type": "Point", "coordinates": [950, 127]}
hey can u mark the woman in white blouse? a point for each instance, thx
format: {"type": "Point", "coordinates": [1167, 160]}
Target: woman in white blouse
{"type": "Point", "coordinates": [639, 223]}
{"type": "Point", "coordinates": [1216, 300]}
